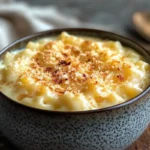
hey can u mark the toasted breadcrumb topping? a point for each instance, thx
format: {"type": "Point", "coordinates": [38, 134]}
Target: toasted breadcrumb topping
{"type": "Point", "coordinates": [72, 73]}
{"type": "Point", "coordinates": [73, 66]}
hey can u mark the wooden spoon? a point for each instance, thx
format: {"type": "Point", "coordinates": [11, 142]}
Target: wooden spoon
{"type": "Point", "coordinates": [141, 21]}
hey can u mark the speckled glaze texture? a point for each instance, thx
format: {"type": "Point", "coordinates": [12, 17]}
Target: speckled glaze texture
{"type": "Point", "coordinates": [111, 130]}
{"type": "Point", "coordinates": [108, 129]}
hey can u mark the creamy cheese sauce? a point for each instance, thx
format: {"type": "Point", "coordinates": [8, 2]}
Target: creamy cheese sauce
{"type": "Point", "coordinates": [73, 73]}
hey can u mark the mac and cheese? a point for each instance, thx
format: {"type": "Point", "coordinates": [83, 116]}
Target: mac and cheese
{"type": "Point", "coordinates": [73, 73]}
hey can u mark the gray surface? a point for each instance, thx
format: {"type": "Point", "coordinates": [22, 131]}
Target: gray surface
{"type": "Point", "coordinates": [114, 13]}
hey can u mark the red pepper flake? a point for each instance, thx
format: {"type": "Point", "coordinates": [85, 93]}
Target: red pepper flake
{"type": "Point", "coordinates": [57, 81]}
{"type": "Point", "coordinates": [63, 62]}
{"type": "Point", "coordinates": [84, 75]}
{"type": "Point", "coordinates": [118, 69]}
{"type": "Point", "coordinates": [60, 81]}
{"type": "Point", "coordinates": [48, 69]}
{"type": "Point", "coordinates": [54, 73]}
{"type": "Point", "coordinates": [120, 77]}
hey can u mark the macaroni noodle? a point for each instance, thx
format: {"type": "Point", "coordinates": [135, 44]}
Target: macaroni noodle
{"type": "Point", "coordinates": [73, 73]}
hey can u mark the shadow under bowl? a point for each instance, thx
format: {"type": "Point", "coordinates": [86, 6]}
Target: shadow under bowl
{"type": "Point", "coordinates": [112, 128]}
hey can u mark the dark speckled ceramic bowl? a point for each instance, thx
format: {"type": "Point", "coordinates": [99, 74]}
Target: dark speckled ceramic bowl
{"type": "Point", "coordinates": [113, 128]}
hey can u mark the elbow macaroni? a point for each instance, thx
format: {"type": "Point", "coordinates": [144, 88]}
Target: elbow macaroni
{"type": "Point", "coordinates": [73, 74]}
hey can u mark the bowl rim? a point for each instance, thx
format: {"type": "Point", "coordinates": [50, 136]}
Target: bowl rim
{"type": "Point", "coordinates": [114, 107]}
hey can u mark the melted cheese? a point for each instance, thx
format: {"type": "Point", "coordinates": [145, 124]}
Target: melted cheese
{"type": "Point", "coordinates": [73, 73]}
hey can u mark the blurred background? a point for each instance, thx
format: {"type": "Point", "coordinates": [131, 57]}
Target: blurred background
{"type": "Point", "coordinates": [19, 18]}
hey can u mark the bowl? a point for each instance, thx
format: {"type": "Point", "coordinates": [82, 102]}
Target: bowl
{"type": "Point", "coordinates": [112, 128]}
